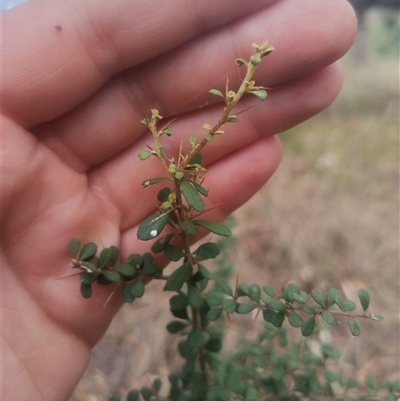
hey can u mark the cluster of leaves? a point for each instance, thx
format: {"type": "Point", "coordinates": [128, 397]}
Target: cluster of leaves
{"type": "Point", "coordinates": [276, 369]}
{"type": "Point", "coordinates": [288, 305]}
{"type": "Point", "coordinates": [105, 269]}
{"type": "Point", "coordinates": [198, 313]}
{"type": "Point", "coordinates": [270, 368]}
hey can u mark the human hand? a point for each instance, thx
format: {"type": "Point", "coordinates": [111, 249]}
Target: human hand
{"type": "Point", "coordinates": [76, 78]}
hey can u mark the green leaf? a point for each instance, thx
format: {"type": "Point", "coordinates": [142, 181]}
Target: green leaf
{"type": "Point", "coordinates": [91, 266]}
{"type": "Point", "coordinates": [214, 298]}
{"type": "Point", "coordinates": [188, 227]}
{"type": "Point", "coordinates": [295, 319]}
{"type": "Point", "coordinates": [138, 288]}
{"type": "Point", "coordinates": [261, 94]}
{"type": "Point", "coordinates": [125, 269]}
{"type": "Point", "coordinates": [308, 327]}
{"type": "Point", "coordinates": [216, 92]}
{"type": "Point", "coordinates": [229, 305]}
{"type": "Point", "coordinates": [194, 297]}
{"type": "Point", "coordinates": [242, 289]}
{"type": "Point", "coordinates": [152, 226]}
{"type": "Point", "coordinates": [254, 292]}
{"type": "Point", "coordinates": [161, 243]}
{"type": "Point", "coordinates": [208, 250]}
{"type": "Point", "coordinates": [214, 313]}
{"type": "Point", "coordinates": [144, 154]}
{"type": "Point", "coordinates": [278, 305]}
{"type": "Point", "coordinates": [333, 294]}
{"type": "Point", "coordinates": [163, 194]}
{"type": "Point", "coordinates": [74, 247]}
{"type": "Point", "coordinates": [348, 306]}
{"type": "Point", "coordinates": [328, 317]}
{"type": "Point", "coordinates": [157, 383]}
{"type": "Point", "coordinates": [192, 196]}
{"type": "Point", "coordinates": [216, 228]}
{"type": "Point", "coordinates": [105, 257]}
{"type": "Point", "coordinates": [227, 289]}
{"type": "Point", "coordinates": [126, 293]}
{"type": "Point", "coordinates": [354, 328]}
{"type": "Point", "coordinates": [251, 394]}
{"type": "Point", "coordinates": [269, 291]}
{"type": "Point", "coordinates": [114, 255]}
{"type": "Point", "coordinates": [318, 298]}
{"type": "Point", "coordinates": [309, 309]}
{"type": "Point", "coordinates": [205, 272]}
{"type": "Point", "coordinates": [153, 181]}
{"type": "Point", "coordinates": [289, 291]}
{"type": "Point", "coordinates": [276, 318]}
{"type": "Point", "coordinates": [302, 297]}
{"type": "Point", "coordinates": [214, 344]}
{"type": "Point", "coordinates": [88, 251]}
{"type": "Point", "coordinates": [364, 298]}
{"type": "Point", "coordinates": [146, 393]}
{"type": "Point", "coordinates": [195, 339]}
{"type": "Point", "coordinates": [175, 326]}
{"type": "Point", "coordinates": [173, 253]}
{"type": "Point", "coordinates": [133, 395]}
{"type": "Point", "coordinates": [369, 381]}
{"type": "Point", "coordinates": [245, 308]}
{"type": "Point", "coordinates": [330, 376]}
{"type": "Point", "coordinates": [86, 290]}
{"type": "Point", "coordinates": [111, 275]}
{"type": "Point", "coordinates": [88, 277]}
{"type": "Point", "coordinates": [176, 280]}
{"type": "Point", "coordinates": [202, 190]}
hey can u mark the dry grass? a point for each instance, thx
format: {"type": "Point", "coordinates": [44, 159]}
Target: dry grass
{"type": "Point", "coordinates": [328, 217]}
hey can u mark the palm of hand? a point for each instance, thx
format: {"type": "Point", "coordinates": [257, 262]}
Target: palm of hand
{"type": "Point", "coordinates": [70, 166]}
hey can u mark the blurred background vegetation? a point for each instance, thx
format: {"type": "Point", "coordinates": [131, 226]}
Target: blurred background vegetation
{"type": "Point", "coordinates": [329, 216]}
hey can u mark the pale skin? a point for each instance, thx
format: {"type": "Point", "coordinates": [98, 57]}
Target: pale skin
{"type": "Point", "coordinates": [76, 78]}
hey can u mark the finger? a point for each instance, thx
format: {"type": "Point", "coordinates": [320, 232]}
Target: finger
{"type": "Point", "coordinates": [178, 82]}
{"type": "Point", "coordinates": [56, 54]}
{"type": "Point", "coordinates": [118, 181]}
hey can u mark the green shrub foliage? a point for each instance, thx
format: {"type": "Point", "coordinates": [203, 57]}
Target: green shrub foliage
{"type": "Point", "coordinates": [271, 368]}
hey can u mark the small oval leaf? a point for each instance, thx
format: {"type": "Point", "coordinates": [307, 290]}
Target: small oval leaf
{"type": "Point", "coordinates": [318, 298]}
{"type": "Point", "coordinates": [328, 317]}
{"type": "Point", "coordinates": [74, 247]}
{"type": "Point", "coordinates": [364, 298]}
{"type": "Point", "coordinates": [176, 280]}
{"type": "Point", "coordinates": [208, 250]}
{"type": "Point", "coordinates": [112, 276]}
{"type": "Point", "coordinates": [175, 326]}
{"type": "Point", "coordinates": [152, 226]}
{"type": "Point", "coordinates": [192, 196]}
{"type": "Point", "coordinates": [216, 228]}
{"type": "Point", "coordinates": [244, 308]}
{"type": "Point", "coordinates": [188, 227]}
{"type": "Point", "coordinates": [308, 327]}
{"type": "Point", "coordinates": [153, 181]}
{"type": "Point", "coordinates": [173, 253]}
{"type": "Point", "coordinates": [354, 328]}
{"type": "Point", "coordinates": [126, 269]}
{"type": "Point", "coordinates": [88, 251]}
{"type": "Point", "coordinates": [295, 319]}
{"type": "Point", "coordinates": [86, 290]}
{"type": "Point", "coordinates": [137, 288]}
{"type": "Point", "coordinates": [144, 154]}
